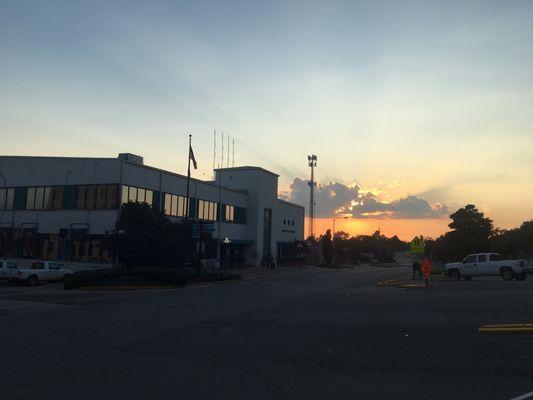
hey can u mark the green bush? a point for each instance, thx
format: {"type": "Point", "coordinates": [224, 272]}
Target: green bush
{"type": "Point", "coordinates": [85, 278]}
{"type": "Point", "coordinates": [118, 276]}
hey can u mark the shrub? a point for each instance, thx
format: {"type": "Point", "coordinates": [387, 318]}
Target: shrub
{"type": "Point", "coordinates": [84, 278]}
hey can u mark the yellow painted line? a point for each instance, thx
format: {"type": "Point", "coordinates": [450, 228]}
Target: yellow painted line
{"type": "Point", "coordinates": [506, 330]}
{"type": "Point", "coordinates": [521, 325]}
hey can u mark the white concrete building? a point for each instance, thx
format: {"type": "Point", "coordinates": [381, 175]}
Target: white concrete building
{"type": "Point", "coordinates": [62, 208]}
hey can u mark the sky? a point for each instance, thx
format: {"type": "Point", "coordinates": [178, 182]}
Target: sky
{"type": "Point", "coordinates": [413, 108]}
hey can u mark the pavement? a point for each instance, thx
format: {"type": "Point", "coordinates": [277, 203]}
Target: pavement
{"type": "Point", "coordinates": [304, 333]}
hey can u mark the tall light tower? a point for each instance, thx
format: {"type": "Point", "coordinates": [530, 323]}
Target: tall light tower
{"type": "Point", "coordinates": [312, 163]}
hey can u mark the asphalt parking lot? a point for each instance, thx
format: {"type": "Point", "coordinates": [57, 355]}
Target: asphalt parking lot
{"type": "Point", "coordinates": [314, 334]}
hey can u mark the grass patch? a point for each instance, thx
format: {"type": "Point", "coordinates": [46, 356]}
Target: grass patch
{"type": "Point", "coordinates": [214, 276]}
{"type": "Point", "coordinates": [126, 276]}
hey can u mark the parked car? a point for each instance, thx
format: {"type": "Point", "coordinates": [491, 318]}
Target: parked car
{"type": "Point", "coordinates": [487, 264]}
{"type": "Point", "coordinates": [8, 270]}
{"type": "Point", "coordinates": [42, 271]}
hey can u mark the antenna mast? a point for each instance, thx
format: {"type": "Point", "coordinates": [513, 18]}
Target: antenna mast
{"type": "Point", "coordinates": [312, 163]}
{"type": "Point", "coordinates": [222, 163]}
{"type": "Point", "coordinates": [227, 161]}
{"type": "Point", "coordinates": [214, 151]}
{"type": "Point", "coordinates": [233, 158]}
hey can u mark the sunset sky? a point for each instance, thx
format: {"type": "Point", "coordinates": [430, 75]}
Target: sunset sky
{"type": "Point", "coordinates": [414, 108]}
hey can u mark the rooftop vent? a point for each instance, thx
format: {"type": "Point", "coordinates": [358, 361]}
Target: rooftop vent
{"type": "Point", "coordinates": [133, 158]}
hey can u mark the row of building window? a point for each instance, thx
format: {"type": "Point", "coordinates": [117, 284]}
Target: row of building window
{"type": "Point", "coordinates": [207, 210]}
{"type": "Point", "coordinates": [288, 222]}
{"type": "Point", "coordinates": [82, 197]}
{"type": "Point", "coordinates": [101, 197]}
{"type": "Point", "coordinates": [137, 195]}
{"type": "Point", "coordinates": [175, 205]}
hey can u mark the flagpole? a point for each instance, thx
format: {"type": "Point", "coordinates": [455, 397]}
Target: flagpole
{"type": "Point", "coordinates": [187, 231]}
{"type": "Point", "coordinates": [188, 179]}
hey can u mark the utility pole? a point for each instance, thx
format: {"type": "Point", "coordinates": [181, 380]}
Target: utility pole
{"type": "Point", "coordinates": [312, 163]}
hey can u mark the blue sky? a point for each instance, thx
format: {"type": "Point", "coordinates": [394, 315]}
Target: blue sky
{"type": "Point", "coordinates": [436, 95]}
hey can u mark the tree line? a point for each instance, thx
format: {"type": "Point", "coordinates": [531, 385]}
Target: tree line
{"type": "Point", "coordinates": [470, 232]}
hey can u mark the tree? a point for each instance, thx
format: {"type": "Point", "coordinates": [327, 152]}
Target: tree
{"type": "Point", "coordinates": [471, 231]}
{"type": "Point", "coordinates": [327, 247]}
{"type": "Point", "coordinates": [143, 236]}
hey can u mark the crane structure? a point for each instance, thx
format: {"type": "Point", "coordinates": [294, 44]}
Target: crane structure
{"type": "Point", "coordinates": [312, 163]}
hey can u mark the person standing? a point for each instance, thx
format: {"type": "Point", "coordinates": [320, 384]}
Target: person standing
{"type": "Point", "coordinates": [416, 269]}
{"type": "Point", "coordinates": [426, 270]}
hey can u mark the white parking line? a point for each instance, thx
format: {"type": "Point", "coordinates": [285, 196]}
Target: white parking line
{"type": "Point", "coordinates": [524, 396]}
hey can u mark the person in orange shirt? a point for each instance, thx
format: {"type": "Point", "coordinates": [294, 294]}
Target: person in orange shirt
{"type": "Point", "coordinates": [426, 269]}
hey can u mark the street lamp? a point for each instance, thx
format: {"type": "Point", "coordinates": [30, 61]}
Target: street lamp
{"type": "Point", "coordinates": [227, 241]}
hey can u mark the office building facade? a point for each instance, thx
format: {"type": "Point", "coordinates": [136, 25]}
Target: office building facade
{"type": "Point", "coordinates": [62, 208]}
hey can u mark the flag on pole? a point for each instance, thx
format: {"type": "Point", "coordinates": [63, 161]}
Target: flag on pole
{"type": "Point", "coordinates": [191, 157]}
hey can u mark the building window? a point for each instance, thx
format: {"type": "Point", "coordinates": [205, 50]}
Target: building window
{"type": "Point", "coordinates": [101, 197]}
{"type": "Point", "coordinates": [174, 209]}
{"type": "Point", "coordinates": [3, 199]}
{"type": "Point", "coordinates": [132, 194]}
{"type": "Point", "coordinates": [91, 197]}
{"type": "Point", "coordinates": [7, 198]}
{"type": "Point", "coordinates": [39, 198]}
{"type": "Point", "coordinates": [56, 197]}
{"type": "Point", "coordinates": [30, 198]}
{"type": "Point", "coordinates": [112, 192]}
{"type": "Point", "coordinates": [138, 195]}
{"type": "Point", "coordinates": [175, 205]}
{"type": "Point", "coordinates": [230, 213]}
{"type": "Point", "coordinates": [207, 210]}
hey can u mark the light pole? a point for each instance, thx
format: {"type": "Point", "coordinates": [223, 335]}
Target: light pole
{"type": "Point", "coordinates": [219, 222]}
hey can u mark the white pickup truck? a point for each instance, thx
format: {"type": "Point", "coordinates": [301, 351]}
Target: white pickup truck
{"type": "Point", "coordinates": [8, 270]}
{"type": "Point", "coordinates": [487, 264]}
{"type": "Point", "coordinates": [42, 271]}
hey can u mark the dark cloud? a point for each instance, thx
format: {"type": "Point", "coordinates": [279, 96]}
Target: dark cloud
{"type": "Point", "coordinates": [338, 199]}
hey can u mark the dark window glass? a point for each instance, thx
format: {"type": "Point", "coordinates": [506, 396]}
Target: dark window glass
{"type": "Point", "coordinates": [495, 257]}
{"type": "Point", "coordinates": [3, 198]}
{"type": "Point", "coordinates": [81, 194]}
{"type": "Point", "coordinates": [19, 201]}
{"type": "Point", "coordinates": [57, 197]}
{"type": "Point", "coordinates": [91, 197]}
{"type": "Point", "coordinates": [101, 197]}
{"type": "Point", "coordinates": [111, 196]}
{"type": "Point", "coordinates": [469, 260]}
{"type": "Point", "coordinates": [482, 258]}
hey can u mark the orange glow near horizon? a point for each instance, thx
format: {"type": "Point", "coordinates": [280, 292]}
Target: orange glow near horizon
{"type": "Point", "coordinates": [405, 229]}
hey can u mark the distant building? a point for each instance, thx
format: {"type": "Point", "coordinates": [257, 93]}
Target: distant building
{"type": "Point", "coordinates": [61, 208]}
